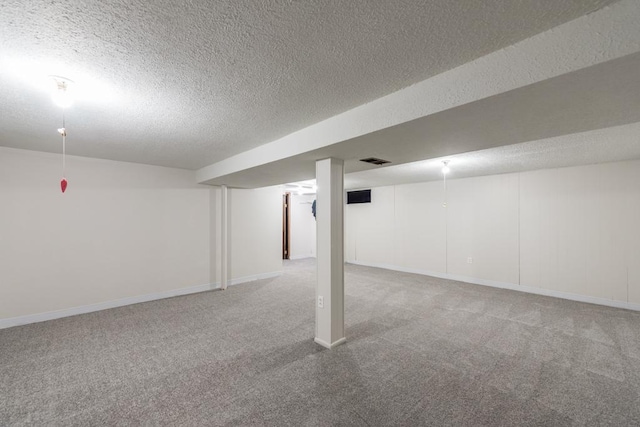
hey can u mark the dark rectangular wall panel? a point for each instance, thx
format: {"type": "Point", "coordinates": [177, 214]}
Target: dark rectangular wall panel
{"type": "Point", "coordinates": [361, 196]}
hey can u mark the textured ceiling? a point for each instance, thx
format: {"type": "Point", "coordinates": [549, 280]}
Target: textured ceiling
{"type": "Point", "coordinates": [186, 84]}
{"type": "Point", "coordinates": [598, 146]}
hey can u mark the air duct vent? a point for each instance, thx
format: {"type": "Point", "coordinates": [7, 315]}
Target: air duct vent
{"type": "Point", "coordinates": [375, 161]}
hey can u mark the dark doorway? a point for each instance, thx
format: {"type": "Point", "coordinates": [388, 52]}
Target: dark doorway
{"type": "Point", "coordinates": [286, 224]}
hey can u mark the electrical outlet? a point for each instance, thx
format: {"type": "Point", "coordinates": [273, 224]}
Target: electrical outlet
{"type": "Point", "coordinates": [469, 260]}
{"type": "Point", "coordinates": [320, 302]}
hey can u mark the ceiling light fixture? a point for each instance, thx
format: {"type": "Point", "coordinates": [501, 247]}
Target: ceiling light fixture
{"type": "Point", "coordinates": [445, 171]}
{"type": "Point", "coordinates": [62, 96]}
{"type": "Point", "coordinates": [445, 168]}
{"type": "Point", "coordinates": [62, 93]}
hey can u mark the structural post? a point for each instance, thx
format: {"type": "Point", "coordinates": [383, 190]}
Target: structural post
{"type": "Point", "coordinates": [330, 252]}
{"type": "Point", "coordinates": [224, 247]}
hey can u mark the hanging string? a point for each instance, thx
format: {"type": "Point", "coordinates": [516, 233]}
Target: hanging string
{"type": "Point", "coordinates": [64, 146]}
{"type": "Point", "coordinates": [444, 178]}
{"type": "Point", "coordinates": [63, 132]}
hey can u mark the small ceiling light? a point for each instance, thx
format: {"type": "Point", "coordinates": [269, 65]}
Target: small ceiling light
{"type": "Point", "coordinates": [445, 167]}
{"type": "Point", "coordinates": [62, 93]}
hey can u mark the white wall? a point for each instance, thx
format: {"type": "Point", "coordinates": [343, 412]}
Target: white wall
{"type": "Point", "coordinates": [572, 231]}
{"type": "Point", "coordinates": [303, 227]}
{"type": "Point", "coordinates": [372, 237]}
{"type": "Point", "coordinates": [419, 220]}
{"type": "Point", "coordinates": [122, 233]}
{"type": "Point", "coordinates": [482, 223]}
{"type": "Point", "coordinates": [402, 227]}
{"type": "Point", "coordinates": [580, 229]}
{"type": "Point", "coordinates": [120, 230]}
{"type": "Point", "coordinates": [255, 233]}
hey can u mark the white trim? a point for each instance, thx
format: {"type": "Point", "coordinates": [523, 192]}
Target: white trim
{"type": "Point", "coordinates": [50, 315]}
{"type": "Point", "coordinates": [581, 298]}
{"type": "Point", "coordinates": [402, 269]}
{"type": "Point", "coordinates": [330, 346]}
{"type": "Point", "coordinates": [301, 257]}
{"type": "Point", "coordinates": [510, 286]}
{"type": "Point", "coordinates": [254, 277]}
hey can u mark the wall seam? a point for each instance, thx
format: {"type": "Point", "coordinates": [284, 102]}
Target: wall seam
{"type": "Point", "coordinates": [446, 226]}
{"type": "Point", "coordinates": [519, 232]}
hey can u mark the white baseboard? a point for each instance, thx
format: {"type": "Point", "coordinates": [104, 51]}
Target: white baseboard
{"type": "Point", "coordinates": [330, 346]}
{"type": "Point", "coordinates": [511, 286]}
{"type": "Point", "coordinates": [301, 257]}
{"type": "Point", "coordinates": [51, 315]}
{"type": "Point", "coordinates": [581, 298]}
{"type": "Point", "coordinates": [254, 277]}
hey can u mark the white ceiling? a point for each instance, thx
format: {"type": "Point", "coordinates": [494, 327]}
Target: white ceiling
{"type": "Point", "coordinates": [186, 84]}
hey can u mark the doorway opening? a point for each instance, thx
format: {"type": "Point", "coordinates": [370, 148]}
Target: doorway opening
{"type": "Point", "coordinates": [286, 225]}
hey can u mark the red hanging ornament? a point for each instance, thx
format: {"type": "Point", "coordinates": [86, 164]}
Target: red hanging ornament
{"type": "Point", "coordinates": [63, 99]}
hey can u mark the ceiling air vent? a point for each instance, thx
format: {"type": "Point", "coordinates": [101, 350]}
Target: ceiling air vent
{"type": "Point", "coordinates": [375, 161]}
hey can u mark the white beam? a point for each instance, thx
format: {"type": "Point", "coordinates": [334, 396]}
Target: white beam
{"type": "Point", "coordinates": [330, 253]}
{"type": "Point", "coordinates": [607, 34]}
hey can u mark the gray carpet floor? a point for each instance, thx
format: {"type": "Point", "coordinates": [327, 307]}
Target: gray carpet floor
{"type": "Point", "coordinates": [420, 351]}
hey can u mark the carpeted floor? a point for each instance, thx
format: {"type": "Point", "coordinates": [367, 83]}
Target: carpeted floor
{"type": "Point", "coordinates": [420, 351]}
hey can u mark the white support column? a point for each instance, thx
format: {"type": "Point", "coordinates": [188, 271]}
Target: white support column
{"type": "Point", "coordinates": [330, 252]}
{"type": "Point", "coordinates": [224, 247]}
